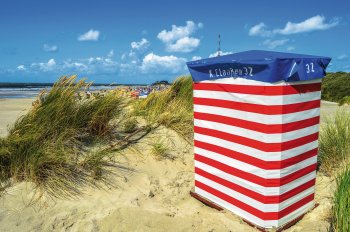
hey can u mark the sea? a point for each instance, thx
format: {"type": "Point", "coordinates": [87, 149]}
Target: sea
{"type": "Point", "coordinates": [31, 90]}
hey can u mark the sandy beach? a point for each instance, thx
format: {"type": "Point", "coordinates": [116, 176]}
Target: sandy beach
{"type": "Point", "coordinates": [153, 197]}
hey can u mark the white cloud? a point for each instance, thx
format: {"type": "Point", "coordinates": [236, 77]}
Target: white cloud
{"type": "Point", "coordinates": [110, 53]}
{"type": "Point", "coordinates": [21, 67]}
{"type": "Point", "coordinates": [141, 45]}
{"type": "Point", "coordinates": [178, 32]}
{"type": "Point", "coordinates": [91, 35]}
{"type": "Point", "coordinates": [215, 54]}
{"type": "Point", "coordinates": [153, 63]}
{"type": "Point", "coordinates": [259, 29]}
{"type": "Point", "coordinates": [290, 48]}
{"type": "Point", "coordinates": [196, 58]}
{"type": "Point", "coordinates": [92, 65]}
{"type": "Point", "coordinates": [272, 44]}
{"type": "Point", "coordinates": [311, 24]}
{"type": "Point", "coordinates": [179, 39]}
{"type": "Point", "coordinates": [45, 67]}
{"type": "Point", "coordinates": [136, 53]}
{"type": "Point", "coordinates": [342, 57]}
{"type": "Point", "coordinates": [314, 23]}
{"type": "Point", "coordinates": [50, 48]}
{"type": "Point", "coordinates": [186, 44]}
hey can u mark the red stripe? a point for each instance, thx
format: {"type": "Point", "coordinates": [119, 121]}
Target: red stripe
{"type": "Point", "coordinates": [260, 127]}
{"type": "Point", "coordinates": [257, 108]}
{"type": "Point", "coordinates": [250, 209]}
{"type": "Point", "coordinates": [267, 165]}
{"type": "Point", "coordinates": [270, 182]}
{"type": "Point", "coordinates": [267, 147]}
{"type": "Point", "coordinates": [252, 194]}
{"type": "Point", "coordinates": [258, 89]}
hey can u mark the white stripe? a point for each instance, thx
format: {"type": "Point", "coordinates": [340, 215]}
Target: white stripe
{"type": "Point", "coordinates": [254, 203]}
{"type": "Point", "coordinates": [295, 214]}
{"type": "Point", "coordinates": [266, 191]}
{"type": "Point", "coordinates": [255, 117]}
{"type": "Point", "coordinates": [258, 99]}
{"type": "Point", "coordinates": [263, 173]}
{"type": "Point", "coordinates": [290, 73]}
{"type": "Point", "coordinates": [267, 156]}
{"type": "Point", "coordinates": [245, 81]}
{"type": "Point", "coordinates": [256, 135]}
{"type": "Point", "coordinates": [251, 218]}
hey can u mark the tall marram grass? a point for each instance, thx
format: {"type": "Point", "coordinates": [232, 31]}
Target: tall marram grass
{"type": "Point", "coordinates": [172, 108]}
{"type": "Point", "coordinates": [334, 147]}
{"type": "Point", "coordinates": [49, 145]}
{"type": "Point", "coordinates": [340, 220]}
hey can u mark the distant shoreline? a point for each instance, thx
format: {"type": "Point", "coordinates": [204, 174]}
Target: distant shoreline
{"type": "Point", "coordinates": [42, 85]}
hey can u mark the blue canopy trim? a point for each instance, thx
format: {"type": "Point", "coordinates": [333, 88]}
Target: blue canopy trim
{"type": "Point", "coordinates": [265, 66]}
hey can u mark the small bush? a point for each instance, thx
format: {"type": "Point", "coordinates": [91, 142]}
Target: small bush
{"type": "Point", "coordinates": [130, 125]}
{"type": "Point", "coordinates": [334, 147]}
{"type": "Point", "coordinates": [341, 203]}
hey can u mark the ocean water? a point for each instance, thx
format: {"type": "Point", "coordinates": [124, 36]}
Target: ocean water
{"type": "Point", "coordinates": [32, 92]}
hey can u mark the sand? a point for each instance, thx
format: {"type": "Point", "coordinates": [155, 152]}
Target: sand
{"type": "Point", "coordinates": [10, 110]}
{"type": "Point", "coordinates": [153, 197]}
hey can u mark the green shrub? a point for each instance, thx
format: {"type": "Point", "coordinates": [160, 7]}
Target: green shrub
{"type": "Point", "coordinates": [341, 203]}
{"type": "Point", "coordinates": [334, 147]}
{"type": "Point", "coordinates": [336, 86]}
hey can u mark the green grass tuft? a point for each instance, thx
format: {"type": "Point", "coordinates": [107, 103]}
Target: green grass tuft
{"type": "Point", "coordinates": [334, 147]}
{"type": "Point", "coordinates": [172, 108]}
{"type": "Point", "coordinates": [341, 203]}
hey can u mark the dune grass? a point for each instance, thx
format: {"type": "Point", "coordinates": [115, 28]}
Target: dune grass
{"type": "Point", "coordinates": [172, 108]}
{"type": "Point", "coordinates": [49, 145]}
{"type": "Point", "coordinates": [334, 141]}
{"type": "Point", "coordinates": [340, 220]}
{"type": "Point", "coordinates": [161, 150]}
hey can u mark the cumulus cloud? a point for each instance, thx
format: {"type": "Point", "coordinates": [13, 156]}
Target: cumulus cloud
{"type": "Point", "coordinates": [311, 24]}
{"type": "Point", "coordinates": [179, 39]}
{"type": "Point", "coordinates": [196, 58]}
{"type": "Point", "coordinates": [92, 65]}
{"type": "Point", "coordinates": [272, 44]}
{"type": "Point", "coordinates": [110, 53]}
{"type": "Point", "coordinates": [315, 23]}
{"type": "Point", "coordinates": [141, 45]}
{"type": "Point", "coordinates": [153, 63]}
{"type": "Point", "coordinates": [21, 67]}
{"type": "Point", "coordinates": [91, 35]}
{"type": "Point", "coordinates": [44, 66]}
{"type": "Point", "coordinates": [259, 29]}
{"type": "Point", "coordinates": [50, 48]}
{"type": "Point", "coordinates": [342, 57]}
{"type": "Point", "coordinates": [221, 54]}
{"type": "Point", "coordinates": [136, 53]}
{"type": "Point", "coordinates": [186, 44]}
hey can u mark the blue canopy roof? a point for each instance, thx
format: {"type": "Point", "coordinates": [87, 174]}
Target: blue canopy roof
{"type": "Point", "coordinates": [265, 66]}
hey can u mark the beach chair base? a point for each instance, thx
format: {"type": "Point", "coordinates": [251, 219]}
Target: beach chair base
{"type": "Point", "coordinates": [219, 208]}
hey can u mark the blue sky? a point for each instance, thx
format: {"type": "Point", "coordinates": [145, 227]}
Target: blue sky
{"type": "Point", "coordinates": [143, 41]}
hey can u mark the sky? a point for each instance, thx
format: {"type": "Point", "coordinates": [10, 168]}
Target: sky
{"type": "Point", "coordinates": [145, 41]}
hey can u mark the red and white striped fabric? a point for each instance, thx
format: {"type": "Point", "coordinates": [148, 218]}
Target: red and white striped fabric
{"type": "Point", "coordinates": [256, 147]}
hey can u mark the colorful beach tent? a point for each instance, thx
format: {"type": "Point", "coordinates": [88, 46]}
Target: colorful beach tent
{"type": "Point", "coordinates": [256, 124]}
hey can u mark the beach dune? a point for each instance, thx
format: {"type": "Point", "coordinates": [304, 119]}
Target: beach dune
{"type": "Point", "coordinates": [153, 197]}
